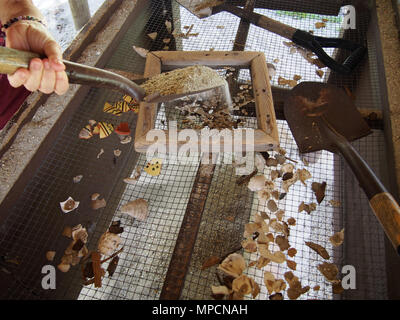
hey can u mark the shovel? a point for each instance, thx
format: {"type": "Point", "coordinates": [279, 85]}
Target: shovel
{"type": "Point", "coordinates": [205, 8]}
{"type": "Point", "coordinates": [323, 117]}
{"type": "Point", "coordinates": [11, 60]}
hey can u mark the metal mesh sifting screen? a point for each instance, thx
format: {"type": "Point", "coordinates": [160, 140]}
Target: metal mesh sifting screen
{"type": "Point", "coordinates": [36, 223]}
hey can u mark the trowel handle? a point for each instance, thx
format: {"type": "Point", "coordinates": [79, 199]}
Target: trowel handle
{"type": "Point", "coordinates": [11, 60]}
{"type": "Point", "coordinates": [381, 201]}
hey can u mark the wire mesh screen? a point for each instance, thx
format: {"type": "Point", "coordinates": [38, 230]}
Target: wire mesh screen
{"type": "Point", "coordinates": [35, 224]}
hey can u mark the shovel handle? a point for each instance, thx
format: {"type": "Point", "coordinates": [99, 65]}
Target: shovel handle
{"type": "Point", "coordinates": [387, 210]}
{"type": "Point", "coordinates": [384, 206]}
{"type": "Point", "coordinates": [316, 45]}
{"type": "Point", "coordinates": [11, 60]}
{"type": "Point", "coordinates": [305, 39]}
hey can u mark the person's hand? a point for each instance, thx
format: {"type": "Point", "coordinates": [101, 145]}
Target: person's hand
{"type": "Point", "coordinates": [46, 75]}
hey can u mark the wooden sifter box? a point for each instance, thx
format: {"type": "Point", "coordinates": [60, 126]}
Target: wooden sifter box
{"type": "Point", "coordinates": [198, 212]}
{"type": "Point", "coordinates": [266, 133]}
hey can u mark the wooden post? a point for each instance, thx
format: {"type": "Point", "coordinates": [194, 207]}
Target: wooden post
{"type": "Point", "coordinates": [80, 12]}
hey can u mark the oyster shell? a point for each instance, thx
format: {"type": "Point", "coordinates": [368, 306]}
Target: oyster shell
{"type": "Point", "coordinates": [138, 209]}
{"type": "Point", "coordinates": [69, 205]}
{"type": "Point", "coordinates": [108, 243]}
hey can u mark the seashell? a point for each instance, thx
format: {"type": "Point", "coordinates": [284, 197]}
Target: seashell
{"type": "Point", "coordinates": [78, 178]}
{"type": "Point", "coordinates": [259, 162]}
{"type": "Point", "coordinates": [271, 70]}
{"type": "Point", "coordinates": [95, 196]}
{"type": "Point", "coordinates": [168, 25]}
{"type": "Point", "coordinates": [105, 129]}
{"type": "Point", "coordinates": [152, 35]}
{"type": "Point", "coordinates": [277, 257]}
{"type": "Point", "coordinates": [83, 252]}
{"type": "Point", "coordinates": [117, 152]}
{"type": "Point", "coordinates": [337, 239]}
{"type": "Point", "coordinates": [100, 153]}
{"type": "Point", "coordinates": [108, 243]}
{"type": "Point", "coordinates": [220, 290]}
{"type": "Point", "coordinates": [303, 175]}
{"type": "Point", "coordinates": [233, 265]}
{"type": "Point", "coordinates": [67, 232]}
{"type": "Point", "coordinates": [257, 183]}
{"type": "Point", "coordinates": [86, 133]}
{"type": "Point", "coordinates": [79, 233]}
{"type": "Point", "coordinates": [242, 285]}
{"type": "Point", "coordinates": [287, 168]}
{"type": "Point", "coordinates": [280, 158]}
{"type": "Point", "coordinates": [123, 130]}
{"type": "Point", "coordinates": [272, 162]}
{"type": "Point", "coordinates": [153, 167]}
{"type": "Point", "coordinates": [272, 206]}
{"type": "Point", "coordinates": [126, 140]}
{"type": "Point", "coordinates": [96, 130]}
{"type": "Point", "coordinates": [141, 51]}
{"type": "Point", "coordinates": [136, 176]}
{"type": "Point", "coordinates": [98, 204]}
{"type": "Point", "coordinates": [138, 209]}
{"type": "Point", "coordinates": [129, 99]}
{"type": "Point", "coordinates": [50, 255]}
{"type": "Point", "coordinates": [117, 108]}
{"type": "Point", "coordinates": [69, 205]}
{"type": "Point", "coordinates": [66, 259]}
{"type": "Point", "coordinates": [63, 267]}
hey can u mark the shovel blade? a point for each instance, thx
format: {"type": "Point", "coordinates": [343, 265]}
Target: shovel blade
{"type": "Point", "coordinates": [311, 105]}
{"type": "Point", "coordinates": [200, 8]}
{"type": "Point", "coordinates": [222, 92]}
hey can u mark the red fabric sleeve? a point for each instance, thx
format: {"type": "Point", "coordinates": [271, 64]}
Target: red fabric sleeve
{"type": "Point", "coordinates": [10, 98]}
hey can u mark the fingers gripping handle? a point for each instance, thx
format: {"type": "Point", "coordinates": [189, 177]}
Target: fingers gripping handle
{"type": "Point", "coordinates": [11, 60]}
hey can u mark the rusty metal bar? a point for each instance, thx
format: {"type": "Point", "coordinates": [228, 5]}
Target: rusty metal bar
{"type": "Point", "coordinates": [180, 260]}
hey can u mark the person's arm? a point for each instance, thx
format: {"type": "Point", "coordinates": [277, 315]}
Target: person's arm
{"type": "Point", "coordinates": [14, 8]}
{"type": "Point", "coordinates": [46, 75]}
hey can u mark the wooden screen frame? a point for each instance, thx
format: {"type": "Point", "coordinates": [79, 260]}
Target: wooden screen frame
{"type": "Point", "coordinates": [265, 136]}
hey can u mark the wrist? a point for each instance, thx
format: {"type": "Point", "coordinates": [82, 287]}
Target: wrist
{"type": "Point", "coordinates": [22, 19]}
{"type": "Point", "coordinates": [10, 9]}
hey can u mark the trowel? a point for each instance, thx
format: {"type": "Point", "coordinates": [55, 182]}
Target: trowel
{"type": "Point", "coordinates": [11, 60]}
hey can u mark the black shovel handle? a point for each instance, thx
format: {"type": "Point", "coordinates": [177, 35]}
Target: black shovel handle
{"type": "Point", "coordinates": [316, 45]}
{"type": "Point", "coordinates": [303, 39]}
{"type": "Point", "coordinates": [382, 203]}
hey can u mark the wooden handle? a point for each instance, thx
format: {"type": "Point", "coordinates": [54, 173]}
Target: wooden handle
{"type": "Point", "coordinates": [275, 26]}
{"type": "Point", "coordinates": [11, 60]}
{"type": "Point", "coordinates": [388, 213]}
{"type": "Point", "coordinates": [385, 207]}
{"type": "Point", "coordinates": [261, 21]}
